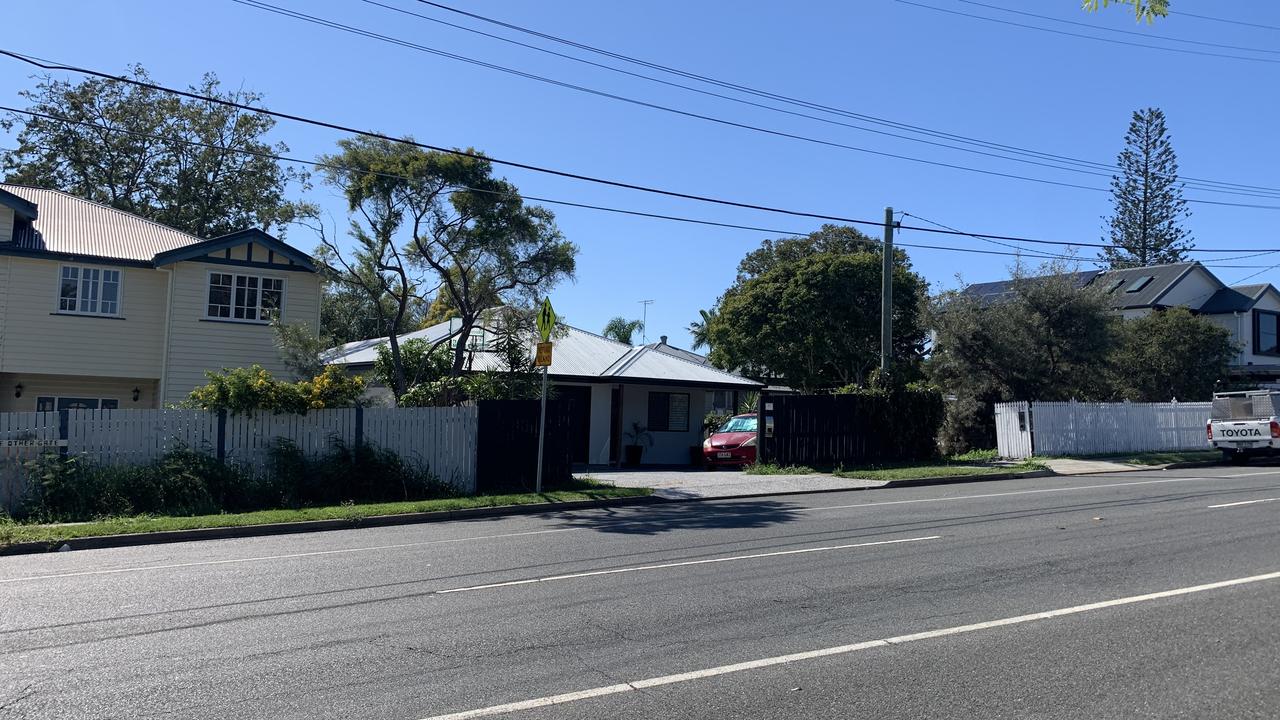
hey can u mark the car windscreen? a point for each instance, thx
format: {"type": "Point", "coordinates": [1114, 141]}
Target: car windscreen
{"type": "Point", "coordinates": [738, 424]}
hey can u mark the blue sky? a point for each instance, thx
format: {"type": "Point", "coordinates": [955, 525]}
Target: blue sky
{"type": "Point", "coordinates": [1064, 95]}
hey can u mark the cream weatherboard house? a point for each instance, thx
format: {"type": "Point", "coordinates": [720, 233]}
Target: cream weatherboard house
{"type": "Point", "coordinates": [103, 309]}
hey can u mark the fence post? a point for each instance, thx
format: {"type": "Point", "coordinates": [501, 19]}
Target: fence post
{"type": "Point", "coordinates": [761, 435]}
{"type": "Point", "coordinates": [64, 426]}
{"type": "Point", "coordinates": [222, 435]}
{"type": "Point", "coordinates": [359, 439]}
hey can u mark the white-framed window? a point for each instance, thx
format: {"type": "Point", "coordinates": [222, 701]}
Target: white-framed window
{"type": "Point", "coordinates": [88, 290]}
{"type": "Point", "coordinates": [242, 297]}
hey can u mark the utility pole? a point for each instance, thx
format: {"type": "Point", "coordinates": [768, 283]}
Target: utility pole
{"type": "Point", "coordinates": [886, 293]}
{"type": "Point", "coordinates": [644, 321]}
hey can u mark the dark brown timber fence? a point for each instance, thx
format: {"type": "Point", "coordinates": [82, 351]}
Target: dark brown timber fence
{"type": "Point", "coordinates": [507, 445]}
{"type": "Point", "coordinates": [826, 431]}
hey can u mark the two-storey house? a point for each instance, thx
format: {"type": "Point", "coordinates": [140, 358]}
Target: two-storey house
{"type": "Point", "coordinates": [100, 308]}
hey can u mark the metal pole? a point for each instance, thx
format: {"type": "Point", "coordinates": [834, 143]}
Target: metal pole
{"type": "Point", "coordinates": [542, 429]}
{"type": "Point", "coordinates": [886, 293]}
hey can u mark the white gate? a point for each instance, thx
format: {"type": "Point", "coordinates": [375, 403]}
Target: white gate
{"type": "Point", "coordinates": [1013, 430]}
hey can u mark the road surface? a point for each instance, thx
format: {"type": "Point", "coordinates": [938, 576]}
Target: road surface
{"type": "Point", "coordinates": [1149, 594]}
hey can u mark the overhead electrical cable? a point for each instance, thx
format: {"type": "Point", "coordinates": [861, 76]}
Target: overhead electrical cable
{"type": "Point", "coordinates": [1111, 168]}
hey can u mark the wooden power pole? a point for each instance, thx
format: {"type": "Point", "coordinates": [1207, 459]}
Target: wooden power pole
{"type": "Point", "coordinates": [886, 294]}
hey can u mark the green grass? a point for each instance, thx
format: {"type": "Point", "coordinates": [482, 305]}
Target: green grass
{"type": "Point", "coordinates": [937, 470]}
{"type": "Point", "coordinates": [975, 456]}
{"type": "Point", "coordinates": [768, 469]}
{"type": "Point", "coordinates": [582, 489]}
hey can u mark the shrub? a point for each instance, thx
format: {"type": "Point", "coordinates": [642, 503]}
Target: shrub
{"type": "Point", "coordinates": [244, 390]}
{"type": "Point", "coordinates": [349, 474]}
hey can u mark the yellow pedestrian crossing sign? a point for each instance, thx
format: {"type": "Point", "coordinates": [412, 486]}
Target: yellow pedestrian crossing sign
{"type": "Point", "coordinates": [546, 320]}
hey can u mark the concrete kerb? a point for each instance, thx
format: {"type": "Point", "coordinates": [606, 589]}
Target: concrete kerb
{"type": "Point", "coordinates": [225, 533]}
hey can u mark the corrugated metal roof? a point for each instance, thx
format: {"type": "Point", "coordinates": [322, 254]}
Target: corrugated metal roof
{"type": "Point", "coordinates": [578, 354]}
{"type": "Point", "coordinates": [72, 225]}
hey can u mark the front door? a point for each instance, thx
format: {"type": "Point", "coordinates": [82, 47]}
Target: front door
{"type": "Point", "coordinates": [578, 399]}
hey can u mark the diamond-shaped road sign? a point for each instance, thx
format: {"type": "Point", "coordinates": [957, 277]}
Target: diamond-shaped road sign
{"type": "Point", "coordinates": [546, 320]}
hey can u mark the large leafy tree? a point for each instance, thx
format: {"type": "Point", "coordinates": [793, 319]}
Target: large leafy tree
{"type": "Point", "coordinates": [1046, 339]}
{"type": "Point", "coordinates": [1147, 10]}
{"type": "Point", "coordinates": [193, 165]}
{"type": "Point", "coordinates": [1146, 226]}
{"type": "Point", "coordinates": [433, 224]}
{"type": "Point", "coordinates": [807, 310]}
{"type": "Point", "coordinates": [622, 330]}
{"type": "Point", "coordinates": [1171, 354]}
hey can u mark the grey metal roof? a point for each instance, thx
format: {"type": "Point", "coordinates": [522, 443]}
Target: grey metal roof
{"type": "Point", "coordinates": [994, 291]}
{"type": "Point", "coordinates": [1235, 299]}
{"type": "Point", "coordinates": [681, 353]}
{"type": "Point", "coordinates": [577, 354]}
{"type": "Point", "coordinates": [75, 226]}
{"type": "Point", "coordinates": [1129, 288]}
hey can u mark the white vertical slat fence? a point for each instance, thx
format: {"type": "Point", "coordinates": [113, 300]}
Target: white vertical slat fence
{"type": "Point", "coordinates": [17, 430]}
{"type": "Point", "coordinates": [1075, 428]}
{"type": "Point", "coordinates": [452, 457]}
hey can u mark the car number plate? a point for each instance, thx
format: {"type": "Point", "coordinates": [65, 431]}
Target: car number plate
{"type": "Point", "coordinates": [724, 455]}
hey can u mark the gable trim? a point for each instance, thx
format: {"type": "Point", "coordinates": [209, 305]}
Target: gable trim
{"type": "Point", "coordinates": [226, 242]}
{"type": "Point", "coordinates": [20, 206]}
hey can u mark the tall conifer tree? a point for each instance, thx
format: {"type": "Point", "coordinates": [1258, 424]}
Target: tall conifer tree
{"type": "Point", "coordinates": [1146, 227]}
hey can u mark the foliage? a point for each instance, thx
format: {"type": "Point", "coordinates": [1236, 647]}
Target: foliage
{"type": "Point", "coordinates": [975, 456]}
{"type": "Point", "coordinates": [422, 363]}
{"type": "Point", "coordinates": [348, 474]}
{"type": "Point", "coordinates": [511, 333]}
{"type": "Point", "coordinates": [622, 330]}
{"type": "Point", "coordinates": [426, 219]}
{"type": "Point", "coordinates": [301, 348]}
{"type": "Point", "coordinates": [807, 310]}
{"type": "Point", "coordinates": [698, 329]}
{"type": "Point", "coordinates": [638, 435]}
{"type": "Point", "coordinates": [348, 313]}
{"type": "Point", "coordinates": [770, 469]}
{"type": "Point", "coordinates": [197, 166]}
{"type": "Point", "coordinates": [244, 390]}
{"type": "Point", "coordinates": [1171, 354]}
{"type": "Point", "coordinates": [1147, 10]}
{"type": "Point", "coordinates": [1045, 340]}
{"type": "Point", "coordinates": [906, 418]}
{"type": "Point", "coordinates": [713, 420]}
{"type": "Point", "coordinates": [1146, 225]}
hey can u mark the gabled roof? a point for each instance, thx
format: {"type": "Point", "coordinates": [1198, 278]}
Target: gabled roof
{"type": "Point", "coordinates": [67, 225]}
{"type": "Point", "coordinates": [578, 355]}
{"type": "Point", "coordinates": [25, 209]}
{"type": "Point", "coordinates": [1235, 299]}
{"type": "Point", "coordinates": [1128, 288]}
{"type": "Point", "coordinates": [995, 291]}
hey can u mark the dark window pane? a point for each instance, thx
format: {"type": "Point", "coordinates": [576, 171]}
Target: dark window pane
{"type": "Point", "coordinates": [45, 404]}
{"type": "Point", "coordinates": [678, 412]}
{"type": "Point", "coordinates": [659, 408]}
{"type": "Point", "coordinates": [110, 404]}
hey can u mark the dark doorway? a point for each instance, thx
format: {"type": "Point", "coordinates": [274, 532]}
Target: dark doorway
{"type": "Point", "coordinates": [577, 400]}
{"type": "Point", "coordinates": [615, 425]}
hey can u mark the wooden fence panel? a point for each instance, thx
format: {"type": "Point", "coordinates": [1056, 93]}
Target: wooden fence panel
{"type": "Point", "coordinates": [441, 439]}
{"type": "Point", "coordinates": [139, 436]}
{"type": "Point", "coordinates": [17, 432]}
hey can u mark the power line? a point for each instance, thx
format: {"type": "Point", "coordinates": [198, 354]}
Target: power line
{"type": "Point", "coordinates": [772, 95]}
{"type": "Point", "coordinates": [1198, 183]}
{"type": "Point", "coordinates": [1115, 30]}
{"type": "Point", "coordinates": [1086, 37]}
{"type": "Point", "coordinates": [52, 65]}
{"type": "Point", "coordinates": [1225, 20]}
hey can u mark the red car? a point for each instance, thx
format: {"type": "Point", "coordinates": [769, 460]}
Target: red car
{"type": "Point", "coordinates": [733, 443]}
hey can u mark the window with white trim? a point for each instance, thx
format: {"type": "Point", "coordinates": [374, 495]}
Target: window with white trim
{"type": "Point", "coordinates": [89, 290]}
{"type": "Point", "coordinates": [253, 298]}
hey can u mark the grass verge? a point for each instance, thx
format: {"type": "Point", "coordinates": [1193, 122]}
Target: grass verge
{"type": "Point", "coordinates": [768, 469]}
{"type": "Point", "coordinates": [937, 470]}
{"type": "Point", "coordinates": [13, 532]}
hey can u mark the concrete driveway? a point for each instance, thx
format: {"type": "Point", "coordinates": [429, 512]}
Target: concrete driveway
{"type": "Point", "coordinates": [681, 483]}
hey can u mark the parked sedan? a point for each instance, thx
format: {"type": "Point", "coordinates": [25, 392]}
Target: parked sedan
{"type": "Point", "coordinates": [733, 443]}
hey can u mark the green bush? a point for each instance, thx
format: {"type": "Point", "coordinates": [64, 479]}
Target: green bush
{"type": "Point", "coordinates": [184, 482]}
{"type": "Point", "coordinates": [244, 390]}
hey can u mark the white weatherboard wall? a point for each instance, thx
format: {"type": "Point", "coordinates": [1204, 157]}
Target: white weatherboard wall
{"type": "Point", "coordinates": [669, 447]}
{"type": "Point", "coordinates": [1072, 428]}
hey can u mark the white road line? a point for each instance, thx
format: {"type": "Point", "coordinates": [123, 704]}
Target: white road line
{"type": "Point", "coordinates": [662, 566]}
{"type": "Point", "coordinates": [635, 685]}
{"type": "Point", "coordinates": [144, 568]}
{"type": "Point", "coordinates": [1025, 492]}
{"type": "Point", "coordinates": [1245, 502]}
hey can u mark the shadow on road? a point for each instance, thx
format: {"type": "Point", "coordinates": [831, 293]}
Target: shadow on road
{"type": "Point", "coordinates": [655, 519]}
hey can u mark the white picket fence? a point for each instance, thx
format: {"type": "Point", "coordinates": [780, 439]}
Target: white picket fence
{"type": "Point", "coordinates": [1075, 428]}
{"type": "Point", "coordinates": [442, 440]}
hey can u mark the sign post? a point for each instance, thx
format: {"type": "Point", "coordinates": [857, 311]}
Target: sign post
{"type": "Point", "coordinates": [546, 322]}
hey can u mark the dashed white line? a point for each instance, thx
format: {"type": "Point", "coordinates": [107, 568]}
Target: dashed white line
{"type": "Point", "coordinates": [685, 563]}
{"type": "Point", "coordinates": [635, 685]}
{"type": "Point", "coordinates": [1244, 502]}
{"type": "Point", "coordinates": [199, 563]}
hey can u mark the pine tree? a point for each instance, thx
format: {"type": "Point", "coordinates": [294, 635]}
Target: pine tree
{"type": "Point", "coordinates": [1146, 227]}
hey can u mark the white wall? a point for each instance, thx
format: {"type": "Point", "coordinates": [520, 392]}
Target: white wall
{"type": "Point", "coordinates": [1193, 290]}
{"type": "Point", "coordinates": [669, 448]}
{"type": "Point", "coordinates": [6, 224]}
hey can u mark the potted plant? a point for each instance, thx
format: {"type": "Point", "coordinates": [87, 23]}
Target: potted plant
{"type": "Point", "coordinates": [634, 448]}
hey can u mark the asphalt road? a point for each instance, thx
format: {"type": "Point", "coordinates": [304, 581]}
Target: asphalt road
{"type": "Point", "coordinates": [908, 603]}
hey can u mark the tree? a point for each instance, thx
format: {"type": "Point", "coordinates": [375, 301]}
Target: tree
{"type": "Point", "coordinates": [1047, 339]}
{"type": "Point", "coordinates": [197, 166]}
{"type": "Point", "coordinates": [301, 348]}
{"type": "Point", "coordinates": [1147, 10]}
{"type": "Point", "coordinates": [622, 330]}
{"type": "Point", "coordinates": [807, 310]}
{"type": "Point", "coordinates": [1171, 354]}
{"type": "Point", "coordinates": [432, 222]}
{"type": "Point", "coordinates": [347, 313]}
{"type": "Point", "coordinates": [698, 329]}
{"type": "Point", "coordinates": [1145, 227]}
